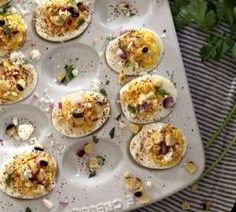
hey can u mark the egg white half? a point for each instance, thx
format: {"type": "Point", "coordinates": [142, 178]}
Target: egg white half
{"type": "Point", "coordinates": [116, 63]}
{"type": "Point", "coordinates": [144, 159]}
{"type": "Point", "coordinates": [167, 85]}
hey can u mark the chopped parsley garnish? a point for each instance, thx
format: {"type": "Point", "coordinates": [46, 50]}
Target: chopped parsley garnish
{"type": "Point", "coordinates": [28, 209]}
{"type": "Point", "coordinates": [69, 75]}
{"type": "Point", "coordinates": [7, 31]}
{"type": "Point", "coordinates": [131, 109]}
{"type": "Point", "coordinates": [107, 82]}
{"type": "Point", "coordinates": [95, 139]}
{"type": "Point", "coordinates": [92, 173]}
{"type": "Point", "coordinates": [80, 22]}
{"type": "Point", "coordinates": [103, 92]}
{"type": "Point", "coordinates": [101, 160]}
{"type": "Point", "coordinates": [9, 179]}
{"type": "Point", "coordinates": [112, 132]}
{"type": "Point", "coordinates": [4, 9]}
{"type": "Point", "coordinates": [132, 14]}
{"type": "Point", "coordinates": [161, 92]}
{"type": "Point", "coordinates": [126, 64]}
{"type": "Point", "coordinates": [118, 117]}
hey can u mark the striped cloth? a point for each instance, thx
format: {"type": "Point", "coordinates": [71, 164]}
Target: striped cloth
{"type": "Point", "coordinates": [213, 89]}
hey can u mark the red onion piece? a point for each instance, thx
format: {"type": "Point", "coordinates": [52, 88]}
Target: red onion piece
{"type": "Point", "coordinates": [60, 105]}
{"type": "Point", "coordinates": [37, 161]}
{"type": "Point", "coordinates": [143, 107]}
{"type": "Point", "coordinates": [164, 148]}
{"type": "Point", "coordinates": [80, 153]}
{"type": "Point", "coordinates": [63, 203]}
{"type": "Point", "coordinates": [122, 54]}
{"type": "Point", "coordinates": [51, 106]}
{"type": "Point", "coordinates": [168, 102]}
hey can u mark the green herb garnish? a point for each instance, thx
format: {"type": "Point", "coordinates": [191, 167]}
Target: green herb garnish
{"type": "Point", "coordinates": [112, 133]}
{"type": "Point", "coordinates": [161, 92]}
{"type": "Point", "coordinates": [28, 209]}
{"type": "Point", "coordinates": [80, 22]}
{"type": "Point", "coordinates": [213, 165]}
{"type": "Point", "coordinates": [126, 64]}
{"type": "Point", "coordinates": [92, 173]}
{"type": "Point", "coordinates": [222, 126]}
{"type": "Point", "coordinates": [9, 179]}
{"type": "Point", "coordinates": [4, 9]}
{"type": "Point", "coordinates": [101, 160]}
{"type": "Point", "coordinates": [207, 15]}
{"type": "Point", "coordinates": [103, 92]}
{"type": "Point", "coordinates": [69, 75]}
{"type": "Point", "coordinates": [107, 82]}
{"type": "Point", "coordinates": [95, 139]}
{"type": "Point", "coordinates": [7, 31]}
{"type": "Point", "coordinates": [118, 117]}
{"type": "Point", "coordinates": [131, 109]}
{"type": "Point", "coordinates": [132, 14]}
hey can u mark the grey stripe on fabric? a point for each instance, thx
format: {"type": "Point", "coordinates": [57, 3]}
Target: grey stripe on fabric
{"type": "Point", "coordinates": [213, 89]}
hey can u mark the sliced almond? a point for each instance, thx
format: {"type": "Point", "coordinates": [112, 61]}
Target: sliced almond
{"type": "Point", "coordinates": [132, 183]}
{"type": "Point", "coordinates": [121, 79]}
{"type": "Point", "coordinates": [185, 205]}
{"type": "Point", "coordinates": [191, 167]}
{"type": "Point", "coordinates": [93, 163]}
{"type": "Point", "coordinates": [88, 148]}
{"type": "Point", "coordinates": [194, 187]}
{"type": "Point", "coordinates": [134, 128]}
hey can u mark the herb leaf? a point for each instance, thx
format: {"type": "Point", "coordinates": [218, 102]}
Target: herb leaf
{"type": "Point", "coordinates": [4, 9]}
{"type": "Point", "coordinates": [161, 92]}
{"type": "Point", "coordinates": [101, 160]}
{"type": "Point", "coordinates": [112, 133]}
{"type": "Point", "coordinates": [132, 109]}
{"type": "Point", "coordinates": [118, 117]}
{"type": "Point", "coordinates": [103, 92]}
{"type": "Point", "coordinates": [80, 22]}
{"type": "Point", "coordinates": [234, 50]}
{"type": "Point", "coordinates": [95, 139]}
{"type": "Point", "coordinates": [28, 209]}
{"type": "Point", "coordinates": [69, 74]}
{"type": "Point", "coordinates": [92, 173]}
{"type": "Point", "coordinates": [215, 47]}
{"type": "Point", "coordinates": [9, 179]}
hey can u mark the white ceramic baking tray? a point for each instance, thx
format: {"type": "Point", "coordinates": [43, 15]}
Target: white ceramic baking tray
{"type": "Point", "coordinates": [105, 192]}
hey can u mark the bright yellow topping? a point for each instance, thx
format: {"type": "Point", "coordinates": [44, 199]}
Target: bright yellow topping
{"type": "Point", "coordinates": [29, 176]}
{"type": "Point", "coordinates": [141, 48]}
{"type": "Point", "coordinates": [82, 115]}
{"type": "Point", "coordinates": [142, 96]}
{"type": "Point", "coordinates": [13, 80]}
{"type": "Point", "coordinates": [61, 17]}
{"type": "Point", "coordinates": [160, 143]}
{"type": "Point", "coordinates": [12, 32]}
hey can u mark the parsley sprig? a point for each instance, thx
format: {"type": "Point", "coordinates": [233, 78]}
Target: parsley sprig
{"type": "Point", "coordinates": [207, 15]}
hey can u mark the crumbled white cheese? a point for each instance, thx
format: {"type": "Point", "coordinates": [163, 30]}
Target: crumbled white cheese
{"type": "Point", "coordinates": [168, 156]}
{"type": "Point", "coordinates": [15, 121]}
{"type": "Point", "coordinates": [96, 85]}
{"type": "Point", "coordinates": [75, 72]}
{"type": "Point", "coordinates": [48, 204]}
{"type": "Point", "coordinates": [149, 184]}
{"type": "Point", "coordinates": [121, 125]}
{"type": "Point", "coordinates": [64, 13]}
{"type": "Point", "coordinates": [27, 174]}
{"type": "Point", "coordinates": [17, 57]}
{"type": "Point", "coordinates": [35, 54]}
{"type": "Point", "coordinates": [25, 131]}
{"type": "Point", "coordinates": [13, 10]}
